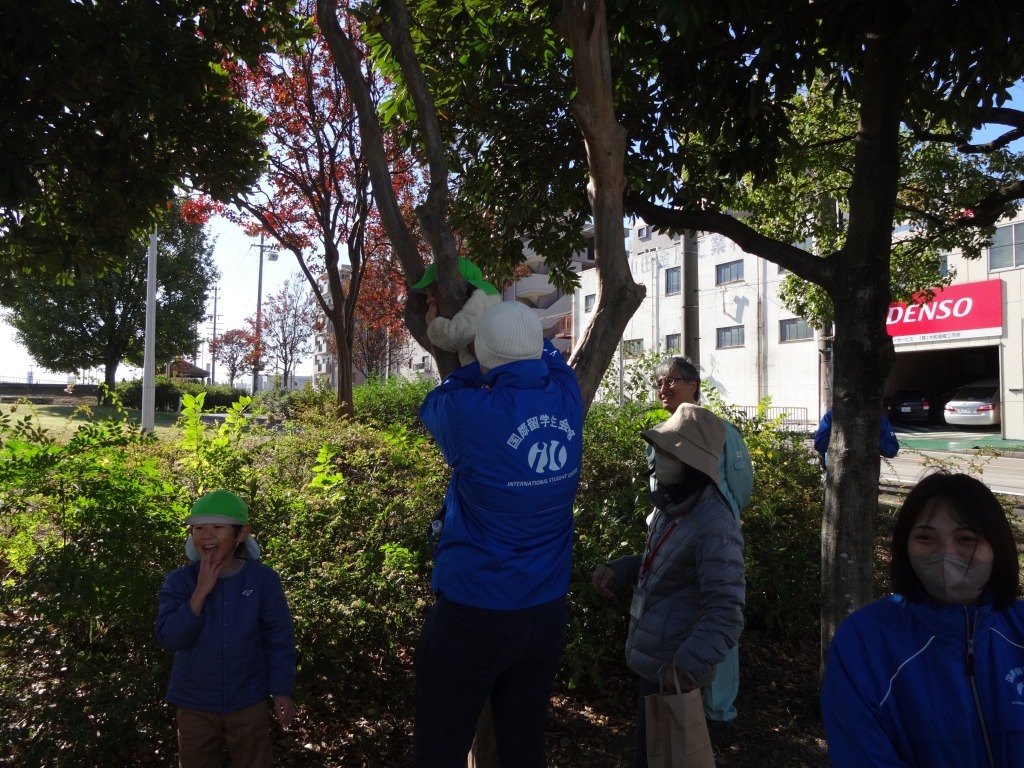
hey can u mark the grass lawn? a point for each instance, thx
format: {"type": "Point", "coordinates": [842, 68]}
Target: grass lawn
{"type": "Point", "coordinates": [61, 421]}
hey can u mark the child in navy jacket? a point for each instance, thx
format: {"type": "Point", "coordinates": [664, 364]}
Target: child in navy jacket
{"type": "Point", "coordinates": [226, 620]}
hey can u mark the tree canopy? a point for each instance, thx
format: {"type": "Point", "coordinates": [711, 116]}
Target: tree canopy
{"type": "Point", "coordinates": [717, 117]}
{"type": "Point", "coordinates": [314, 198]}
{"type": "Point", "coordinates": [234, 349]}
{"type": "Point", "coordinates": [109, 107]}
{"type": "Point", "coordinates": [99, 320]}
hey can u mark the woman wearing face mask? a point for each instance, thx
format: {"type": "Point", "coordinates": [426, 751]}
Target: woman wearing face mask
{"type": "Point", "coordinates": [934, 675]}
{"type": "Point", "coordinates": [688, 584]}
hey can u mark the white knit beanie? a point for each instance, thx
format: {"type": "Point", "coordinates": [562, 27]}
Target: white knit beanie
{"type": "Point", "coordinates": [508, 332]}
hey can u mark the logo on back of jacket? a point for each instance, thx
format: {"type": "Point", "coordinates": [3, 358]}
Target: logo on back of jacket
{"type": "Point", "coordinates": [543, 442]}
{"type": "Point", "coordinates": [1015, 677]}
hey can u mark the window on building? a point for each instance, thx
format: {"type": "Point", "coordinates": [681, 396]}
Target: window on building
{"type": "Point", "coordinates": [729, 272]}
{"type": "Point", "coordinates": [1007, 247]}
{"type": "Point", "coordinates": [633, 347]}
{"type": "Point", "coordinates": [673, 281]}
{"type": "Point", "coordinates": [674, 342]}
{"type": "Point", "coordinates": [729, 337]}
{"type": "Point", "coordinates": [588, 302]}
{"type": "Point", "coordinates": [643, 232]}
{"type": "Point", "coordinates": [795, 329]}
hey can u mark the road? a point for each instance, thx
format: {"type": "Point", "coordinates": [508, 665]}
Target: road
{"type": "Point", "coordinates": [999, 464]}
{"type": "Point", "coordinates": [1003, 474]}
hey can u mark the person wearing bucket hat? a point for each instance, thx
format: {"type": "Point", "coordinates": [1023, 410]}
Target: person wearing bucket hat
{"type": "Point", "coordinates": [677, 381]}
{"type": "Point", "coordinates": [688, 585]}
{"type": "Point", "coordinates": [226, 619]}
{"type": "Point", "coordinates": [457, 333]}
{"type": "Point", "coordinates": [510, 428]}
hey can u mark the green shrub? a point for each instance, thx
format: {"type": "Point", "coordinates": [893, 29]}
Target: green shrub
{"type": "Point", "coordinates": [89, 529]}
{"type": "Point", "coordinates": [340, 511]}
{"type": "Point", "coordinates": [77, 655]}
{"type": "Point", "coordinates": [169, 391]}
{"type": "Point", "coordinates": [781, 527]}
{"type": "Point", "coordinates": [395, 401]}
{"type": "Point", "coordinates": [611, 505]}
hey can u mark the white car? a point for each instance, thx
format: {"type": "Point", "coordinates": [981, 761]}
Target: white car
{"type": "Point", "coordinates": [976, 405]}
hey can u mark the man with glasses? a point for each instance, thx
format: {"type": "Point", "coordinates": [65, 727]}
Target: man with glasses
{"type": "Point", "coordinates": [677, 381]}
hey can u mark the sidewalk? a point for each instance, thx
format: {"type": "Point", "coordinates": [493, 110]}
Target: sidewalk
{"type": "Point", "coordinates": [958, 441]}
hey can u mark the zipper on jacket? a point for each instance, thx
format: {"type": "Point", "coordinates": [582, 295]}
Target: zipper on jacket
{"type": "Point", "coordinates": [971, 625]}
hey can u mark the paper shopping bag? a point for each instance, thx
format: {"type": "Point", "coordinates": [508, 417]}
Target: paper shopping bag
{"type": "Point", "coordinates": [677, 734]}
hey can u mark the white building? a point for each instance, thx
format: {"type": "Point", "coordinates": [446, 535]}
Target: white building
{"type": "Point", "coordinates": [972, 330]}
{"type": "Point", "coordinates": [722, 311]}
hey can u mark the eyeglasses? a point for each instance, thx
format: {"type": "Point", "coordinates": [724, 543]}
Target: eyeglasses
{"type": "Point", "coordinates": [668, 381]}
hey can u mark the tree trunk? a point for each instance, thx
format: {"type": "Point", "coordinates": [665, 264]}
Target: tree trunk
{"type": "Point", "coordinates": [348, 62]}
{"type": "Point", "coordinates": [583, 26]}
{"type": "Point", "coordinates": [110, 379]}
{"type": "Point", "coordinates": [862, 351]}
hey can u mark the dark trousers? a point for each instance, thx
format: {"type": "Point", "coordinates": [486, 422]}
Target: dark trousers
{"type": "Point", "coordinates": [202, 737]}
{"type": "Point", "coordinates": [645, 688]}
{"type": "Point", "coordinates": [466, 654]}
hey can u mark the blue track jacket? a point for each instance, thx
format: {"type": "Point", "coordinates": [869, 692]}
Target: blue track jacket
{"type": "Point", "coordinates": [239, 650]}
{"type": "Point", "coordinates": [513, 440]}
{"type": "Point", "coordinates": [888, 444]}
{"type": "Point", "coordinates": [897, 690]}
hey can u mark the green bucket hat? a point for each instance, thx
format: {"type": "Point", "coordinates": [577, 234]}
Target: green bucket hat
{"type": "Point", "coordinates": [467, 269]}
{"type": "Point", "coordinates": [221, 507]}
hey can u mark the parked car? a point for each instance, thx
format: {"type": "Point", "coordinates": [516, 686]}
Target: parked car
{"type": "Point", "coordinates": [909, 405]}
{"type": "Point", "coordinates": [975, 405]}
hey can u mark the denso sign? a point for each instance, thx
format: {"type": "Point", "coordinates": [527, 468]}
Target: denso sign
{"type": "Point", "coordinates": [969, 311]}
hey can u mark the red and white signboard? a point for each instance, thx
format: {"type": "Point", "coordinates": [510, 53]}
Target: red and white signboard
{"type": "Point", "coordinates": [969, 311]}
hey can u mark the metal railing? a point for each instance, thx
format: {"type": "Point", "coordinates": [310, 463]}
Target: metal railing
{"type": "Point", "coordinates": [794, 419]}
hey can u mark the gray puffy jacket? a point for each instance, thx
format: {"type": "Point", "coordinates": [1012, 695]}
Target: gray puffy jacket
{"type": "Point", "coordinates": [693, 591]}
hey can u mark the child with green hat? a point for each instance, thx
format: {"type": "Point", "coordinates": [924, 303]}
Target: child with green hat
{"type": "Point", "coordinates": [226, 619]}
{"type": "Point", "coordinates": [456, 334]}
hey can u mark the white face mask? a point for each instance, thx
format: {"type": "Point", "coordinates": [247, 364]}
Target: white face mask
{"type": "Point", "coordinates": [951, 579]}
{"type": "Point", "coordinates": [668, 469]}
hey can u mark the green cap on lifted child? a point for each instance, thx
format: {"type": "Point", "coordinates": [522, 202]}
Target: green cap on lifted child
{"type": "Point", "coordinates": [222, 508]}
{"type": "Point", "coordinates": [457, 333]}
{"type": "Point", "coordinates": [467, 269]}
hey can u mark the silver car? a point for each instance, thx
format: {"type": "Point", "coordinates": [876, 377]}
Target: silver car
{"type": "Point", "coordinates": [976, 405]}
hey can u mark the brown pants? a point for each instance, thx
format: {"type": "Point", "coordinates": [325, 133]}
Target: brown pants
{"type": "Point", "coordinates": [202, 737]}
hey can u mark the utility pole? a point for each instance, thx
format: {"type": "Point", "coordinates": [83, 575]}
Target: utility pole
{"type": "Point", "coordinates": [149, 345]}
{"type": "Point", "coordinates": [213, 359]}
{"type": "Point", "coordinates": [271, 256]}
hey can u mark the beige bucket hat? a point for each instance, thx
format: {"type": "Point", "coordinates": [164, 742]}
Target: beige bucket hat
{"type": "Point", "coordinates": [693, 435]}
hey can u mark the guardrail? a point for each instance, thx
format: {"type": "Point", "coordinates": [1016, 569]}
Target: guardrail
{"type": "Point", "coordinates": [794, 419]}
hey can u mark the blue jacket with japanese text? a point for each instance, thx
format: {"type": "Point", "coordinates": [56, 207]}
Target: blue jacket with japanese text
{"type": "Point", "coordinates": [918, 685]}
{"type": "Point", "coordinates": [513, 439]}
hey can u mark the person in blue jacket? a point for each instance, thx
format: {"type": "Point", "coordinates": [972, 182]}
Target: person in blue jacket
{"type": "Point", "coordinates": [226, 619]}
{"type": "Point", "coordinates": [888, 445]}
{"type": "Point", "coordinates": [934, 674]}
{"type": "Point", "coordinates": [510, 427]}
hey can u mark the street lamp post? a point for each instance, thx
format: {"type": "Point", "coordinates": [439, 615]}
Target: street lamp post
{"type": "Point", "coordinates": [271, 256]}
